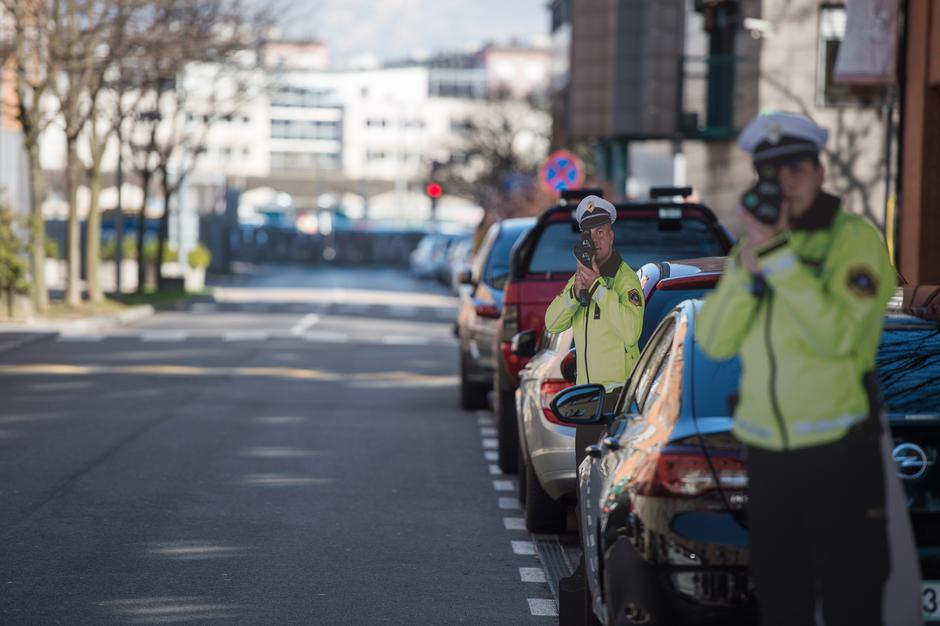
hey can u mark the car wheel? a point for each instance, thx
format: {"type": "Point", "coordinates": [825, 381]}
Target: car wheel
{"type": "Point", "coordinates": [507, 430]}
{"type": "Point", "coordinates": [521, 470]}
{"type": "Point", "coordinates": [542, 513]}
{"type": "Point", "coordinates": [472, 395]}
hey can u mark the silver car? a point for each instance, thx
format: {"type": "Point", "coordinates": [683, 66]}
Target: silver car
{"type": "Point", "coordinates": [547, 478]}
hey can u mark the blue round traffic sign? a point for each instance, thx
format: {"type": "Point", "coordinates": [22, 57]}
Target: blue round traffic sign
{"type": "Point", "coordinates": [562, 170]}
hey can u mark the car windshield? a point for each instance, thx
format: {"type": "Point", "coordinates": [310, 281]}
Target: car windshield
{"type": "Point", "coordinates": [497, 265]}
{"type": "Point", "coordinates": [909, 370]}
{"type": "Point", "coordinates": [637, 241]}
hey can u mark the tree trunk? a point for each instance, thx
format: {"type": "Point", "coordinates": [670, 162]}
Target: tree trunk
{"type": "Point", "coordinates": [37, 233]}
{"type": "Point", "coordinates": [164, 226]}
{"type": "Point", "coordinates": [73, 291]}
{"type": "Point", "coordinates": [93, 235]}
{"type": "Point", "coordinates": [141, 227]}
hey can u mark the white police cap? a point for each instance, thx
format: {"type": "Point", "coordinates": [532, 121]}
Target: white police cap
{"type": "Point", "coordinates": [593, 211]}
{"type": "Point", "coordinates": [780, 136]}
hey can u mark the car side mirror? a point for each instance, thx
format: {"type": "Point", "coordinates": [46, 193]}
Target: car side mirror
{"type": "Point", "coordinates": [569, 366]}
{"type": "Point", "coordinates": [524, 344]}
{"type": "Point", "coordinates": [579, 405]}
{"type": "Point", "coordinates": [465, 277]}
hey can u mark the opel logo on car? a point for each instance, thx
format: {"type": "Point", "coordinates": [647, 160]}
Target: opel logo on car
{"type": "Point", "coordinates": [912, 461]}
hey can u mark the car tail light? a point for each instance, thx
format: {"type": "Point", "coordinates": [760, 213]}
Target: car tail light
{"type": "Point", "coordinates": [510, 321]}
{"type": "Point", "coordinates": [687, 472]}
{"type": "Point", "coordinates": [547, 391]}
{"type": "Point", "coordinates": [487, 310]}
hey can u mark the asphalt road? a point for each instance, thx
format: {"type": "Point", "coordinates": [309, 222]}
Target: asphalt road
{"type": "Point", "coordinates": [291, 453]}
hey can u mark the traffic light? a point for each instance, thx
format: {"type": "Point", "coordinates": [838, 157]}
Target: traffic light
{"type": "Point", "coordinates": [434, 190]}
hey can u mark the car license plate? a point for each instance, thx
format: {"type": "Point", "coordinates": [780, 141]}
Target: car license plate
{"type": "Point", "coordinates": [930, 590]}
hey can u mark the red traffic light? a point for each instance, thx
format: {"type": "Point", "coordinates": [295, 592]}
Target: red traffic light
{"type": "Point", "coordinates": [434, 190]}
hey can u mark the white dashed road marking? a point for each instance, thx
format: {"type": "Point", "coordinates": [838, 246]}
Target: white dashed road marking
{"type": "Point", "coordinates": [495, 471]}
{"type": "Point", "coordinates": [542, 607]}
{"type": "Point", "coordinates": [532, 575]}
{"type": "Point", "coordinates": [485, 421]}
{"type": "Point", "coordinates": [503, 485]}
{"type": "Point", "coordinates": [514, 523]}
{"type": "Point", "coordinates": [525, 548]}
{"type": "Point", "coordinates": [490, 444]}
{"type": "Point", "coordinates": [245, 336]}
{"type": "Point", "coordinates": [154, 337]}
{"type": "Point", "coordinates": [488, 431]}
{"type": "Point", "coordinates": [509, 503]}
{"type": "Point", "coordinates": [305, 323]}
{"type": "Point", "coordinates": [491, 455]}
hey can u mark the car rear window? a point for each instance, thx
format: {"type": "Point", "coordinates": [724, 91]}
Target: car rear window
{"type": "Point", "coordinates": [637, 241]}
{"type": "Point", "coordinates": [497, 265]}
{"type": "Point", "coordinates": [715, 387]}
{"type": "Point", "coordinates": [659, 304]}
{"type": "Point", "coordinates": [908, 365]}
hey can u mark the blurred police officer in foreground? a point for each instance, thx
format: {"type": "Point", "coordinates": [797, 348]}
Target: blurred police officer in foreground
{"type": "Point", "coordinates": [802, 301]}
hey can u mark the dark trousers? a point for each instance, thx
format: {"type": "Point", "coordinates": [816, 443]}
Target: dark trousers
{"type": "Point", "coordinates": [818, 530]}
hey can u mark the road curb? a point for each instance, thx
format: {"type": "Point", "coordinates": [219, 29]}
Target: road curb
{"type": "Point", "coordinates": [88, 324]}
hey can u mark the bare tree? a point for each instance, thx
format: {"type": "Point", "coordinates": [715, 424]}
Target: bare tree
{"type": "Point", "coordinates": [28, 50]}
{"type": "Point", "coordinates": [81, 29]}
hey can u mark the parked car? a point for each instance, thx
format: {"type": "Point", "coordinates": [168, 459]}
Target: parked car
{"type": "Point", "coordinates": [480, 307]}
{"type": "Point", "coordinates": [547, 476]}
{"type": "Point", "coordinates": [663, 495]}
{"type": "Point", "coordinates": [430, 254]}
{"type": "Point", "coordinates": [644, 232]}
{"type": "Point", "coordinates": [459, 258]}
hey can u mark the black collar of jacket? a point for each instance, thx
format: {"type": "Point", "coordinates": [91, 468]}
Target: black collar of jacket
{"type": "Point", "coordinates": [820, 214]}
{"type": "Point", "coordinates": [611, 265]}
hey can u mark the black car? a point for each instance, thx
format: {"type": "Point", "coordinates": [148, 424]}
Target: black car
{"type": "Point", "coordinates": [481, 303]}
{"type": "Point", "coordinates": [663, 494]}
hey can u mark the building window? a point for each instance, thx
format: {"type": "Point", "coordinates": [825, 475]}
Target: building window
{"type": "Point", "coordinates": [306, 129]}
{"type": "Point", "coordinates": [828, 92]}
{"type": "Point", "coordinates": [287, 161]}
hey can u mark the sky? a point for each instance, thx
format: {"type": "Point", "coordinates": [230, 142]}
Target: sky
{"type": "Point", "coordinates": [394, 29]}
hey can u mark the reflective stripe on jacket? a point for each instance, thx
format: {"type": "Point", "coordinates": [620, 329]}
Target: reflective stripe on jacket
{"type": "Point", "coordinates": [807, 330]}
{"type": "Point", "coordinates": [607, 330]}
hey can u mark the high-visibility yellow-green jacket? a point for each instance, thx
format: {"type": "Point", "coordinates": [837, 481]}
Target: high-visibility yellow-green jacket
{"type": "Point", "coordinates": [807, 329]}
{"type": "Point", "coordinates": [607, 330]}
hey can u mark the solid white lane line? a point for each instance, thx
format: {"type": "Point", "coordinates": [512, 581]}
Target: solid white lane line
{"type": "Point", "coordinates": [503, 485]}
{"type": "Point", "coordinates": [305, 323]}
{"type": "Point", "coordinates": [490, 443]}
{"type": "Point", "coordinates": [159, 336]}
{"type": "Point", "coordinates": [542, 608]}
{"type": "Point", "coordinates": [495, 471]}
{"type": "Point", "coordinates": [245, 336]}
{"type": "Point", "coordinates": [514, 523]}
{"type": "Point", "coordinates": [532, 575]}
{"type": "Point", "coordinates": [400, 340]}
{"type": "Point", "coordinates": [526, 548]}
{"type": "Point", "coordinates": [326, 336]}
{"type": "Point", "coordinates": [488, 431]}
{"type": "Point", "coordinates": [509, 503]}
{"type": "Point", "coordinates": [491, 455]}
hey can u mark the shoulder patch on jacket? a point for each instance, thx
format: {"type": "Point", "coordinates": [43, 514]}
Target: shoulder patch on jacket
{"type": "Point", "coordinates": [635, 298]}
{"type": "Point", "coordinates": [863, 282]}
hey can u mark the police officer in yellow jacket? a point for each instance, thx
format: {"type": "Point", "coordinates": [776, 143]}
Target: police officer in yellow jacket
{"type": "Point", "coordinates": [603, 303]}
{"type": "Point", "coordinates": [802, 301]}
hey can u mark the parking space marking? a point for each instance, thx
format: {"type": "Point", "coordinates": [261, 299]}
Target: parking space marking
{"type": "Point", "coordinates": [488, 431]}
{"type": "Point", "coordinates": [503, 485]}
{"type": "Point", "coordinates": [532, 575]}
{"type": "Point", "coordinates": [509, 503]}
{"type": "Point", "coordinates": [245, 336]}
{"type": "Point", "coordinates": [163, 336]}
{"type": "Point", "coordinates": [514, 523]}
{"type": "Point", "coordinates": [541, 607]}
{"type": "Point", "coordinates": [491, 455]}
{"type": "Point", "coordinates": [490, 443]}
{"type": "Point", "coordinates": [495, 471]}
{"type": "Point", "coordinates": [523, 548]}
{"type": "Point", "coordinates": [305, 323]}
